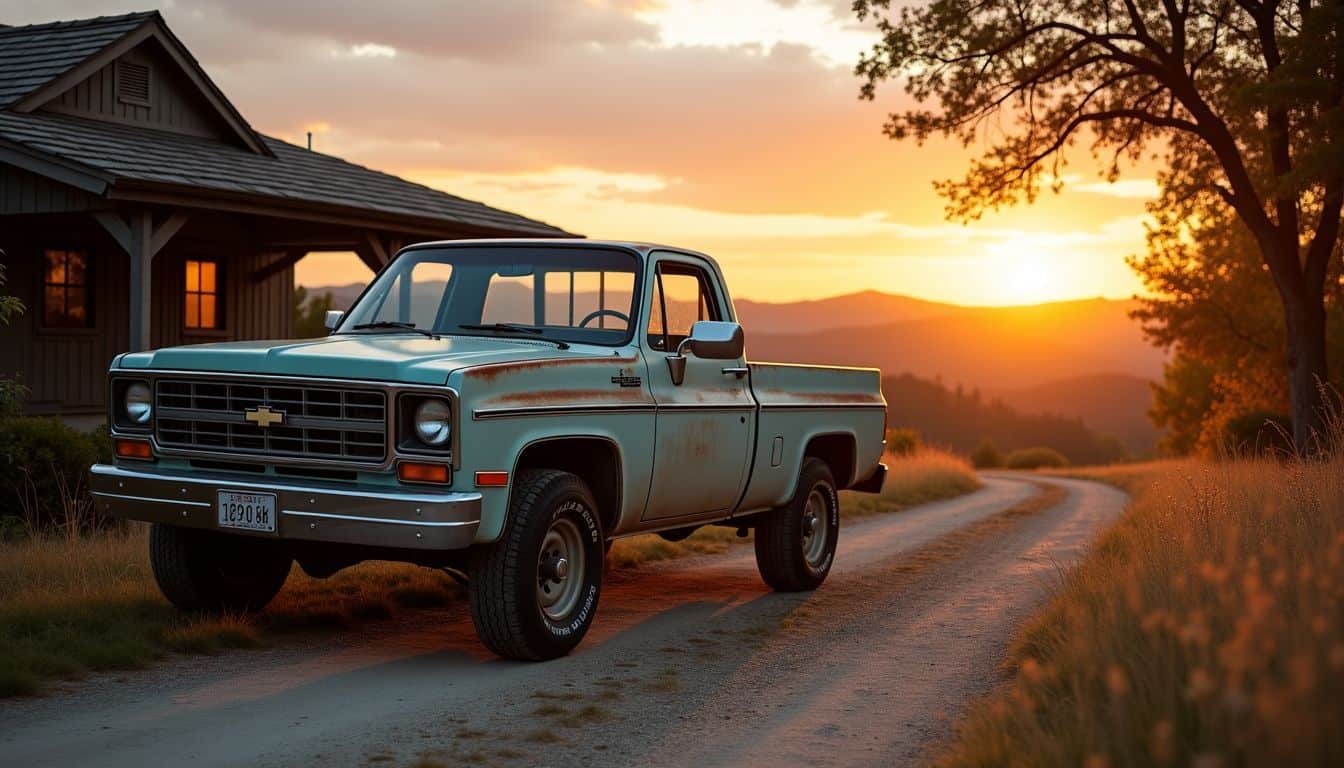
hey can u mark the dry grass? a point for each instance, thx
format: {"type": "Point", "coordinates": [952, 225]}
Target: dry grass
{"type": "Point", "coordinates": [73, 605]}
{"type": "Point", "coordinates": [1204, 628]}
{"type": "Point", "coordinates": [929, 475]}
{"type": "Point", "coordinates": [69, 606]}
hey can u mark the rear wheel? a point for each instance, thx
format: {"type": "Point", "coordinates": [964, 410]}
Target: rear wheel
{"type": "Point", "coordinates": [534, 592]}
{"type": "Point", "coordinates": [212, 571]}
{"type": "Point", "coordinates": [795, 543]}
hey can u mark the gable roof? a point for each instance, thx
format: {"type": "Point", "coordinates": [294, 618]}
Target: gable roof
{"type": "Point", "coordinates": [38, 62]}
{"type": "Point", "coordinates": [69, 51]}
{"type": "Point", "coordinates": [32, 56]}
{"type": "Point", "coordinates": [128, 161]}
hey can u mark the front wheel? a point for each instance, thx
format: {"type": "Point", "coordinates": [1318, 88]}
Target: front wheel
{"type": "Point", "coordinates": [200, 570]}
{"type": "Point", "coordinates": [795, 543]}
{"type": "Point", "coordinates": [534, 592]}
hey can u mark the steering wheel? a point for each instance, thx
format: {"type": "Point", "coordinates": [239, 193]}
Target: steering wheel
{"type": "Point", "coordinates": [599, 313]}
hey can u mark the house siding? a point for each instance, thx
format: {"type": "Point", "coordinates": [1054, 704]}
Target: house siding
{"type": "Point", "coordinates": [65, 369]}
{"type": "Point", "coordinates": [24, 192]}
{"type": "Point", "coordinates": [174, 103]}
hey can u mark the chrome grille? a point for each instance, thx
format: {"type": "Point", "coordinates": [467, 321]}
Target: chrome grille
{"type": "Point", "coordinates": [320, 422]}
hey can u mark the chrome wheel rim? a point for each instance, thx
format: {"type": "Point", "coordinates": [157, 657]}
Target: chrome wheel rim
{"type": "Point", "coordinates": [560, 569]}
{"type": "Point", "coordinates": [816, 527]}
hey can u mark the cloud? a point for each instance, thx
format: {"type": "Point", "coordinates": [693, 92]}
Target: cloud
{"type": "Point", "coordinates": [761, 24]}
{"type": "Point", "coordinates": [373, 50]}
{"type": "Point", "coordinates": [582, 197]}
{"type": "Point", "coordinates": [1134, 189]}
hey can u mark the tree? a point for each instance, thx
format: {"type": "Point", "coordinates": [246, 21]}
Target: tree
{"type": "Point", "coordinates": [1242, 98]}
{"type": "Point", "coordinates": [310, 313]}
{"type": "Point", "coordinates": [11, 391]}
{"type": "Point", "coordinates": [1211, 304]}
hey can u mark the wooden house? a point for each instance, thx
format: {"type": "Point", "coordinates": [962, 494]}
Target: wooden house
{"type": "Point", "coordinates": [139, 209]}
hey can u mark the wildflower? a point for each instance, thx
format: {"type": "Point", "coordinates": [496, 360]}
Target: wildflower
{"type": "Point", "coordinates": [1116, 681]}
{"type": "Point", "coordinates": [1337, 656]}
{"type": "Point", "coordinates": [1163, 747]}
{"type": "Point", "coordinates": [1200, 684]}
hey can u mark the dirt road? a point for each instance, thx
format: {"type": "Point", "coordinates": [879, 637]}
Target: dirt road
{"type": "Point", "coordinates": [691, 662]}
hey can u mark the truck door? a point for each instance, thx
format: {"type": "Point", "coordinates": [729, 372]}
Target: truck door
{"type": "Point", "coordinates": [705, 425]}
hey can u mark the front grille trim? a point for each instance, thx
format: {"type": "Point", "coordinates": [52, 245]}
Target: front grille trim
{"type": "Point", "coordinates": [323, 423]}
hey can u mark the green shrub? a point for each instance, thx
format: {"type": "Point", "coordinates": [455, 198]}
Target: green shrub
{"type": "Point", "coordinates": [1035, 458]}
{"type": "Point", "coordinates": [903, 442]}
{"type": "Point", "coordinates": [986, 455]}
{"type": "Point", "coordinates": [44, 465]}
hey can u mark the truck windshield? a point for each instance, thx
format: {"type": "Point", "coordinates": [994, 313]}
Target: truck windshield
{"type": "Point", "coordinates": [563, 294]}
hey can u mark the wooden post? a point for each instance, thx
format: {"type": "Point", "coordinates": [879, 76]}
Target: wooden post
{"type": "Point", "coordinates": [142, 263]}
{"type": "Point", "coordinates": [141, 240]}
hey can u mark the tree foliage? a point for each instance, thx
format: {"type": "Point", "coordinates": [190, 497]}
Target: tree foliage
{"type": "Point", "coordinates": [310, 314]}
{"type": "Point", "coordinates": [11, 391]}
{"type": "Point", "coordinates": [1210, 304]}
{"type": "Point", "coordinates": [1241, 98]}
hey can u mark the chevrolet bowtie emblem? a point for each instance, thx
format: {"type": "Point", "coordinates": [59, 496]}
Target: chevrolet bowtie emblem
{"type": "Point", "coordinates": [263, 416]}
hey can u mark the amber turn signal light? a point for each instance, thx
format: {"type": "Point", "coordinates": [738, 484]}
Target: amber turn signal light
{"type": "Point", "coordinates": [134, 449]}
{"type": "Point", "coordinates": [417, 472]}
{"type": "Point", "coordinates": [492, 479]}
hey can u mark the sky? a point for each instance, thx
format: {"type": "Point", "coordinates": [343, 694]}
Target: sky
{"type": "Point", "coordinates": [732, 127]}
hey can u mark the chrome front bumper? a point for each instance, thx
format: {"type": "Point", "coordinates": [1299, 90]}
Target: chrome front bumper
{"type": "Point", "coordinates": [306, 511]}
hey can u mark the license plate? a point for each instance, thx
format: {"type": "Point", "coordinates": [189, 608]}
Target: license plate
{"type": "Point", "coordinates": [247, 511]}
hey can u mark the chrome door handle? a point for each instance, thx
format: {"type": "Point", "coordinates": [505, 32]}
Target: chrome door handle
{"type": "Point", "coordinates": [738, 372]}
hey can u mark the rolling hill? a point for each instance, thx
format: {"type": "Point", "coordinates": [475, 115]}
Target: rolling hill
{"type": "Point", "coordinates": [1081, 360]}
{"type": "Point", "coordinates": [1109, 403]}
{"type": "Point", "coordinates": [994, 348]}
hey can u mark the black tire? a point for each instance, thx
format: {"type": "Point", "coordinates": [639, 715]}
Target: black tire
{"type": "Point", "coordinates": [506, 577]}
{"type": "Point", "coordinates": [781, 556]}
{"type": "Point", "coordinates": [199, 570]}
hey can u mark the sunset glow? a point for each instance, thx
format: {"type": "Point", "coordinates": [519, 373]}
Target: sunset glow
{"type": "Point", "coordinates": [730, 128]}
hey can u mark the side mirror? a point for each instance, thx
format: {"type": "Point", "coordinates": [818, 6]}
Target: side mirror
{"type": "Point", "coordinates": [710, 340]}
{"type": "Point", "coordinates": [334, 317]}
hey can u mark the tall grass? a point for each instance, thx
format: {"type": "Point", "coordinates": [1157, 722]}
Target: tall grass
{"type": "Point", "coordinates": [1205, 628]}
{"type": "Point", "coordinates": [919, 478]}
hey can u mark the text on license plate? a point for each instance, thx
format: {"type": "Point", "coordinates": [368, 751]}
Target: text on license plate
{"type": "Point", "coordinates": [248, 511]}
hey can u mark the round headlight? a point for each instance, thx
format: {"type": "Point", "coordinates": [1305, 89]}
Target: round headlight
{"type": "Point", "coordinates": [433, 422]}
{"type": "Point", "coordinates": [139, 404]}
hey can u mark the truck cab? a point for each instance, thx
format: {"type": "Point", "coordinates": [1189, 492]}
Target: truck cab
{"type": "Point", "coordinates": [500, 408]}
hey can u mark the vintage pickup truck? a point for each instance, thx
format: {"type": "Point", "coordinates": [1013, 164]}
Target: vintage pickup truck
{"type": "Point", "coordinates": [501, 409]}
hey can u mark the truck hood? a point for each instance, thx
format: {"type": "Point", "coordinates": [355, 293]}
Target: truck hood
{"type": "Point", "coordinates": [382, 357]}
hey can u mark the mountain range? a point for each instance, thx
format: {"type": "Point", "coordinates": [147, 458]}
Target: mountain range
{"type": "Point", "coordinates": [1083, 359]}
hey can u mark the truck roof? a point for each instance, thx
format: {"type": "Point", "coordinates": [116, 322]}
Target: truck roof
{"type": "Point", "coordinates": [641, 247]}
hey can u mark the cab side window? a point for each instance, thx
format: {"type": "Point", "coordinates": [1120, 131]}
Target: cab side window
{"type": "Point", "coordinates": [681, 296]}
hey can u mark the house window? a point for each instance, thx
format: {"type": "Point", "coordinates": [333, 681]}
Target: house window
{"type": "Point", "coordinates": [202, 297]}
{"type": "Point", "coordinates": [65, 290]}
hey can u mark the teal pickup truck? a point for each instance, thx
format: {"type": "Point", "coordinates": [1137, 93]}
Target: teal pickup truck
{"type": "Point", "coordinates": [501, 409]}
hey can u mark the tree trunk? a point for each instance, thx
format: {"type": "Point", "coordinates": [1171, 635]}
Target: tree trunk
{"type": "Point", "coordinates": [1307, 372]}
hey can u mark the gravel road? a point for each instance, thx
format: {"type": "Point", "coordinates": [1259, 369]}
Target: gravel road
{"type": "Point", "coordinates": [691, 662]}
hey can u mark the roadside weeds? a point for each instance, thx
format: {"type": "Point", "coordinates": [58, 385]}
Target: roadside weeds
{"type": "Point", "coordinates": [1203, 628]}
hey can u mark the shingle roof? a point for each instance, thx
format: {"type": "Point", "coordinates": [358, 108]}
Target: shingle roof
{"type": "Point", "coordinates": [295, 174]}
{"type": "Point", "coordinates": [32, 56]}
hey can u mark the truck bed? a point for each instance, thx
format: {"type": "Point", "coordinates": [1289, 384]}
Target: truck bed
{"type": "Point", "coordinates": [798, 403]}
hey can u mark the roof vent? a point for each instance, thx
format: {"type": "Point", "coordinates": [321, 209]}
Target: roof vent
{"type": "Point", "coordinates": [133, 83]}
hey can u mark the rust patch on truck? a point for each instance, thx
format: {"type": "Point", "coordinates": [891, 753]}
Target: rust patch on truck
{"type": "Point", "coordinates": [775, 395]}
{"type": "Point", "coordinates": [570, 397]}
{"type": "Point", "coordinates": [494, 371]}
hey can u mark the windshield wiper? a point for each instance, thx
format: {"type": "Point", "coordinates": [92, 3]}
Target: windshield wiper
{"type": "Point", "coordinates": [511, 328]}
{"type": "Point", "coordinates": [394, 326]}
